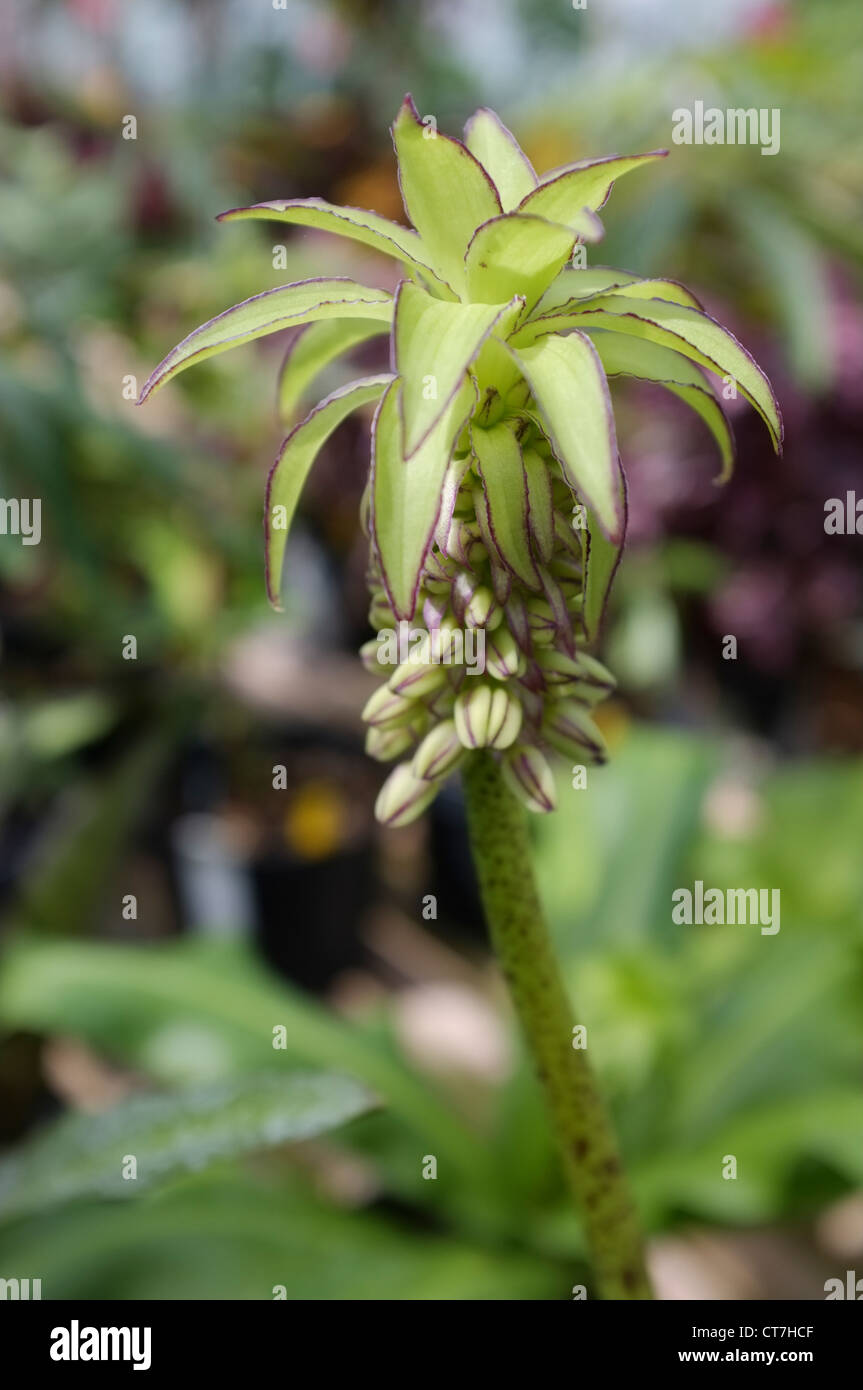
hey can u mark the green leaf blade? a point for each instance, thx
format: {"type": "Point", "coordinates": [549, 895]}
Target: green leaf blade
{"type": "Point", "coordinates": [407, 494]}
{"type": "Point", "coordinates": [295, 459]}
{"type": "Point", "coordinates": [502, 473]}
{"type": "Point", "coordinates": [696, 335]}
{"type": "Point", "coordinates": [501, 156]}
{"type": "Point", "coordinates": [446, 192]}
{"type": "Point", "coordinates": [518, 255]}
{"type": "Point", "coordinates": [314, 349]}
{"type": "Point", "coordinates": [368, 228]}
{"type": "Point", "coordinates": [573, 287]}
{"type": "Point", "coordinates": [566, 378]}
{"type": "Point", "coordinates": [636, 357]}
{"type": "Point", "coordinates": [284, 307]}
{"type": "Point", "coordinates": [82, 1155]}
{"type": "Point", "coordinates": [435, 343]}
{"type": "Point", "coordinates": [586, 184]}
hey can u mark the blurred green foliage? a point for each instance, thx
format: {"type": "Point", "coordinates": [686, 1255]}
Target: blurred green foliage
{"type": "Point", "coordinates": [710, 1041]}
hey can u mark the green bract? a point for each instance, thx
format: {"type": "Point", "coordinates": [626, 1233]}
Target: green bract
{"type": "Point", "coordinates": [496, 502]}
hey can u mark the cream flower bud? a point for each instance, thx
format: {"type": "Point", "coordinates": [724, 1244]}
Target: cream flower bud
{"type": "Point", "coordinates": [527, 773]}
{"type": "Point", "coordinates": [570, 729]}
{"type": "Point", "coordinates": [403, 796]}
{"type": "Point", "coordinates": [487, 716]}
{"type": "Point", "coordinates": [385, 744]}
{"type": "Point", "coordinates": [440, 751]}
{"type": "Point", "coordinates": [503, 656]}
{"type": "Point", "coordinates": [387, 707]}
{"type": "Point", "coordinates": [480, 607]}
{"type": "Point", "coordinates": [416, 677]}
{"type": "Point", "coordinates": [369, 657]}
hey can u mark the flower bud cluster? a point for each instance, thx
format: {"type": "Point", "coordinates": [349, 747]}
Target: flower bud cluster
{"type": "Point", "coordinates": [532, 693]}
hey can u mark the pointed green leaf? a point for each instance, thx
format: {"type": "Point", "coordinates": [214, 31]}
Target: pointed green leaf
{"type": "Point", "coordinates": [284, 307]}
{"type": "Point", "coordinates": [584, 185]}
{"type": "Point", "coordinates": [312, 351]}
{"type": "Point", "coordinates": [697, 336]}
{"type": "Point", "coordinates": [571, 393]}
{"type": "Point", "coordinates": [625, 356]}
{"type": "Point", "coordinates": [407, 494]}
{"type": "Point", "coordinates": [291, 468]}
{"type": "Point", "coordinates": [501, 156]}
{"type": "Point", "coordinates": [446, 192]}
{"type": "Point", "coordinates": [82, 1155]}
{"type": "Point", "coordinates": [367, 227]}
{"type": "Point", "coordinates": [435, 343]}
{"type": "Point", "coordinates": [574, 286]}
{"type": "Point", "coordinates": [601, 559]}
{"type": "Point", "coordinates": [501, 471]}
{"type": "Point", "coordinates": [540, 505]}
{"type": "Point", "coordinates": [513, 255]}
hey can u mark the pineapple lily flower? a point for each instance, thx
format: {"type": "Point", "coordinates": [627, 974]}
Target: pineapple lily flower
{"type": "Point", "coordinates": [496, 504]}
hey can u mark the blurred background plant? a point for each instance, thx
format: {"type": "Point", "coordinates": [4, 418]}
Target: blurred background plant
{"type": "Point", "coordinates": [166, 908]}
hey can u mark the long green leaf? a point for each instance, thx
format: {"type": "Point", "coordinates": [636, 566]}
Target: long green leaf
{"type": "Point", "coordinates": [356, 223]}
{"type": "Point", "coordinates": [407, 493]}
{"type": "Point", "coordinates": [569, 386]}
{"type": "Point", "coordinates": [584, 185]}
{"type": "Point", "coordinates": [285, 307]}
{"type": "Point", "coordinates": [636, 357]}
{"type": "Point", "coordinates": [504, 483]}
{"type": "Point", "coordinates": [693, 333]}
{"type": "Point", "coordinates": [84, 1155]}
{"type": "Point", "coordinates": [573, 286]}
{"type": "Point", "coordinates": [540, 505]}
{"type": "Point", "coordinates": [521, 255]}
{"type": "Point", "coordinates": [196, 1010]}
{"type": "Point", "coordinates": [446, 192]}
{"type": "Point", "coordinates": [435, 343]}
{"type": "Point", "coordinates": [316, 346]}
{"type": "Point", "coordinates": [601, 559]}
{"type": "Point", "coordinates": [225, 1237]}
{"type": "Point", "coordinates": [501, 156]}
{"type": "Point", "coordinates": [296, 456]}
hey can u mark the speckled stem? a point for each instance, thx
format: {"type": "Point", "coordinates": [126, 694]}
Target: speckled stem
{"type": "Point", "coordinates": [501, 851]}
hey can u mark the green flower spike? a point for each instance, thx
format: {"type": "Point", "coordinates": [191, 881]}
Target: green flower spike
{"type": "Point", "coordinates": [492, 433]}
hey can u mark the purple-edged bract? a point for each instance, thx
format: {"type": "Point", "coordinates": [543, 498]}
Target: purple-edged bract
{"type": "Point", "coordinates": [496, 501]}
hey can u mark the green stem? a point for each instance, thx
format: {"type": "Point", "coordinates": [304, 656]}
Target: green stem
{"type": "Point", "coordinates": [501, 851]}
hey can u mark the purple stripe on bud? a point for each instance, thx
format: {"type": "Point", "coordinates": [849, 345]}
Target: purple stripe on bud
{"type": "Point", "coordinates": [570, 729]}
{"type": "Point", "coordinates": [403, 797]}
{"type": "Point", "coordinates": [440, 751]}
{"type": "Point", "coordinates": [528, 775]}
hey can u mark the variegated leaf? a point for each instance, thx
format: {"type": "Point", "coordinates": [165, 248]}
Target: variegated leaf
{"type": "Point", "coordinates": [295, 459]}
{"type": "Point", "coordinates": [501, 471]}
{"type": "Point", "coordinates": [696, 335]}
{"type": "Point", "coordinates": [587, 184]}
{"type": "Point", "coordinates": [447, 194]}
{"type": "Point", "coordinates": [407, 494]}
{"type": "Point", "coordinates": [625, 356]}
{"type": "Point", "coordinates": [315, 347]}
{"type": "Point", "coordinates": [569, 386]}
{"type": "Point", "coordinates": [521, 255]}
{"type": "Point", "coordinates": [501, 156]}
{"type": "Point", "coordinates": [435, 343]}
{"type": "Point", "coordinates": [356, 223]}
{"type": "Point", "coordinates": [269, 312]}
